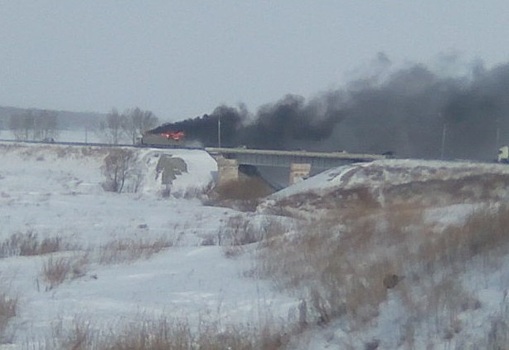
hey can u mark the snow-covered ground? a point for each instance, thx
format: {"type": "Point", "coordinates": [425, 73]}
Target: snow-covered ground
{"type": "Point", "coordinates": [56, 191]}
{"type": "Point", "coordinates": [448, 193]}
{"type": "Point", "coordinates": [75, 135]}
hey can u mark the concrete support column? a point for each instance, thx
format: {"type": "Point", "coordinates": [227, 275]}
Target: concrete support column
{"type": "Point", "coordinates": [299, 172]}
{"type": "Point", "coordinates": [228, 170]}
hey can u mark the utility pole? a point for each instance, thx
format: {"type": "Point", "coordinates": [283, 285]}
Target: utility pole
{"type": "Point", "coordinates": [497, 140]}
{"type": "Point", "coordinates": [219, 131]}
{"type": "Point", "coordinates": [444, 133]}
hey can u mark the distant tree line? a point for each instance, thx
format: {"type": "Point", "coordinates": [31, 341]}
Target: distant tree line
{"type": "Point", "coordinates": [116, 128]}
{"type": "Point", "coordinates": [34, 125]}
{"type": "Point", "coordinates": [127, 126]}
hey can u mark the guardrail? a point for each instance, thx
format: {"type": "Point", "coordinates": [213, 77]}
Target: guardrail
{"type": "Point", "coordinates": [332, 155]}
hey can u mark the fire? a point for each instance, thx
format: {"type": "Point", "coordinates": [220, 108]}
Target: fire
{"type": "Point", "coordinates": [173, 135]}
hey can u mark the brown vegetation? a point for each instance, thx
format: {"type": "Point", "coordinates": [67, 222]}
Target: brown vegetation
{"type": "Point", "coordinates": [353, 258]}
{"type": "Point", "coordinates": [119, 168]}
{"type": "Point", "coordinates": [29, 244]}
{"type": "Point", "coordinates": [8, 310]}
{"type": "Point", "coordinates": [419, 186]}
{"type": "Point", "coordinates": [246, 188]}
{"type": "Point", "coordinates": [56, 270]}
{"type": "Point", "coordinates": [166, 334]}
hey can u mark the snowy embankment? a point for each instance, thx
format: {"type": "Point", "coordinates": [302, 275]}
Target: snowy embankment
{"type": "Point", "coordinates": [438, 230]}
{"type": "Point", "coordinates": [434, 183]}
{"type": "Point", "coordinates": [56, 191]}
{"type": "Point", "coordinates": [433, 228]}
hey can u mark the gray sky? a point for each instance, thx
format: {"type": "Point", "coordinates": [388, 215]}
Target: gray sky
{"type": "Point", "coordinates": [181, 59]}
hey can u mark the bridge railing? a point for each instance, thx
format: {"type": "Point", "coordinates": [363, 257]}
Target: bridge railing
{"type": "Point", "coordinates": [304, 154]}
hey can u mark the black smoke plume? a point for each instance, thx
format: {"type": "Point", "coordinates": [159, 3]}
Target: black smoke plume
{"type": "Point", "coordinates": [205, 129]}
{"type": "Point", "coordinates": [412, 112]}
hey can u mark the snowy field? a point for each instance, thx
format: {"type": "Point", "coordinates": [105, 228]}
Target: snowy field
{"type": "Point", "coordinates": [54, 192]}
{"type": "Point", "coordinates": [83, 135]}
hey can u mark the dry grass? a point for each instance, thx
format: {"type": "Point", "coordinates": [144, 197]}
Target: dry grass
{"type": "Point", "coordinates": [191, 193]}
{"type": "Point", "coordinates": [77, 336]}
{"type": "Point", "coordinates": [347, 256]}
{"type": "Point", "coordinates": [129, 250]}
{"type": "Point", "coordinates": [483, 236]}
{"type": "Point", "coordinates": [498, 335]}
{"type": "Point", "coordinates": [247, 188]}
{"type": "Point", "coordinates": [243, 195]}
{"type": "Point", "coordinates": [165, 334]}
{"type": "Point", "coordinates": [57, 270]}
{"type": "Point", "coordinates": [29, 244]}
{"type": "Point", "coordinates": [240, 230]}
{"type": "Point", "coordinates": [8, 310]}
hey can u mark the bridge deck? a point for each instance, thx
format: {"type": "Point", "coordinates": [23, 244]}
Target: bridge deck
{"type": "Point", "coordinates": [285, 158]}
{"type": "Point", "coordinates": [336, 155]}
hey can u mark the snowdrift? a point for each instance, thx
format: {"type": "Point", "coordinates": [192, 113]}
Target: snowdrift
{"type": "Point", "coordinates": [78, 169]}
{"type": "Point", "coordinates": [428, 183]}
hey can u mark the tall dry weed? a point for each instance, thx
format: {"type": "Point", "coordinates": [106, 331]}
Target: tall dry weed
{"type": "Point", "coordinates": [56, 270]}
{"type": "Point", "coordinates": [8, 310]}
{"type": "Point", "coordinates": [165, 334]}
{"type": "Point", "coordinates": [347, 257]}
{"type": "Point", "coordinates": [483, 234]}
{"type": "Point", "coordinates": [246, 188]}
{"type": "Point", "coordinates": [29, 244]}
{"type": "Point", "coordinates": [241, 230]}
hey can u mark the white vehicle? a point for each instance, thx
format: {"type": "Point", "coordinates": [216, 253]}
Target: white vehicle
{"type": "Point", "coordinates": [503, 154]}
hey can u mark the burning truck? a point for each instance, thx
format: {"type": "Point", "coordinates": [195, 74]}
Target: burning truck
{"type": "Point", "coordinates": [164, 139]}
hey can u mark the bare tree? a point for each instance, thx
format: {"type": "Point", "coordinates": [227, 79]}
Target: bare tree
{"type": "Point", "coordinates": [15, 127]}
{"type": "Point", "coordinates": [112, 128]}
{"type": "Point", "coordinates": [34, 125]}
{"type": "Point", "coordinates": [28, 124]}
{"type": "Point", "coordinates": [46, 125]}
{"type": "Point", "coordinates": [22, 125]}
{"type": "Point", "coordinates": [137, 122]}
{"type": "Point", "coordinates": [120, 166]}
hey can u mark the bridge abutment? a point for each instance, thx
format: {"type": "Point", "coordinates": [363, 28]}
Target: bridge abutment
{"type": "Point", "coordinates": [228, 169]}
{"type": "Point", "coordinates": [299, 172]}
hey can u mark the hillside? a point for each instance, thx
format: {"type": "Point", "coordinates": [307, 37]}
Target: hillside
{"type": "Point", "coordinates": [398, 254]}
{"type": "Point", "coordinates": [397, 182]}
{"type": "Point", "coordinates": [393, 254]}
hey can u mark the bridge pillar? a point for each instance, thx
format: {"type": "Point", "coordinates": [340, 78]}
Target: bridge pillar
{"type": "Point", "coordinates": [299, 172]}
{"type": "Point", "coordinates": [228, 170]}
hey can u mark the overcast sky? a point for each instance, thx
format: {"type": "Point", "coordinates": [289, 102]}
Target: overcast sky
{"type": "Point", "coordinates": [181, 59]}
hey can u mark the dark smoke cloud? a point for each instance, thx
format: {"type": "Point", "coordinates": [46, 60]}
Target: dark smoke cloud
{"type": "Point", "coordinates": [408, 112]}
{"type": "Point", "coordinates": [291, 122]}
{"type": "Point", "coordinates": [205, 129]}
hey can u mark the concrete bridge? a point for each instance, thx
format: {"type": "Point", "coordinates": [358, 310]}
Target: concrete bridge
{"type": "Point", "coordinates": [299, 163]}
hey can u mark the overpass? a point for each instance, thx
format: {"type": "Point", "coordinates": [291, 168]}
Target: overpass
{"type": "Point", "coordinates": [299, 162]}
